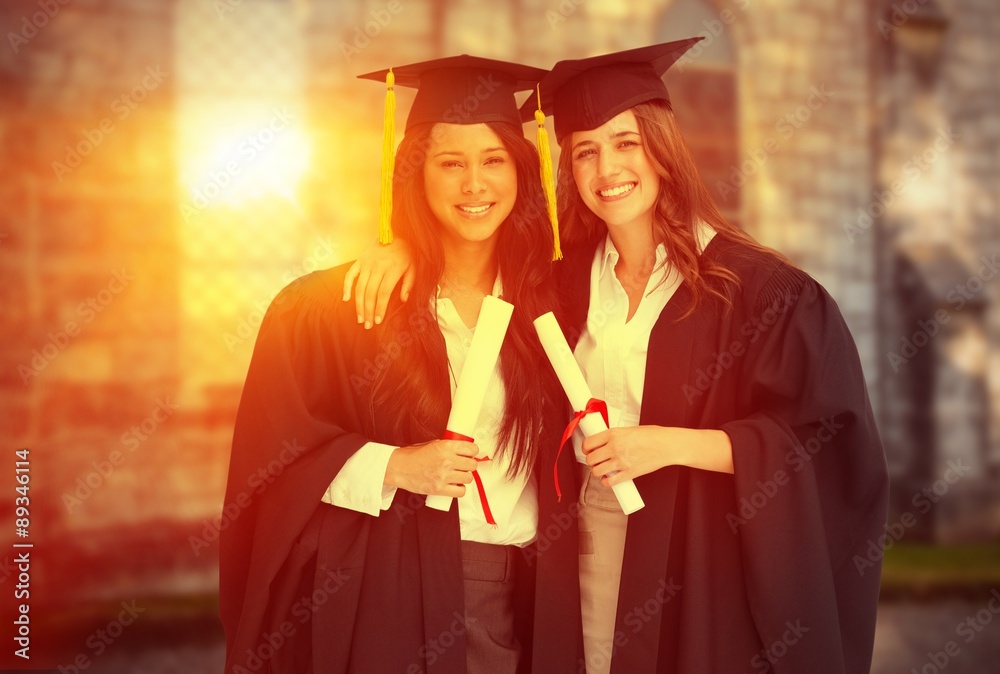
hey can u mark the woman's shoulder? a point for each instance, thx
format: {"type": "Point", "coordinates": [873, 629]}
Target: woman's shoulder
{"type": "Point", "coordinates": [765, 275]}
{"type": "Point", "coordinates": [317, 293]}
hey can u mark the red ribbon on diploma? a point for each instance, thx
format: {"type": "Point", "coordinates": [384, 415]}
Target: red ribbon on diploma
{"type": "Point", "coordinates": [450, 435]}
{"type": "Point", "coordinates": [593, 405]}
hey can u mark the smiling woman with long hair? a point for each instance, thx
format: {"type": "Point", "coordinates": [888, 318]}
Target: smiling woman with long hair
{"type": "Point", "coordinates": [333, 563]}
{"type": "Point", "coordinates": [736, 403]}
{"type": "Point", "coordinates": [520, 254]}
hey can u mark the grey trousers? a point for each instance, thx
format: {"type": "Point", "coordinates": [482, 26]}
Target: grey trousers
{"type": "Point", "coordinates": [492, 647]}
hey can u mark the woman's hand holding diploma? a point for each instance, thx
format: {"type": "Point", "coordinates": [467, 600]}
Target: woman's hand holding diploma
{"type": "Point", "coordinates": [621, 454]}
{"type": "Point", "coordinates": [438, 467]}
{"type": "Point", "coordinates": [575, 386]}
{"type": "Point", "coordinates": [470, 390]}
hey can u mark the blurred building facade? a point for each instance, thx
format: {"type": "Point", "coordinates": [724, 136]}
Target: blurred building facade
{"type": "Point", "coordinates": [168, 166]}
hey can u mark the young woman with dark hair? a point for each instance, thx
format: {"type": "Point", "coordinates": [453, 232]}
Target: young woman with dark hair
{"type": "Point", "coordinates": [331, 562]}
{"type": "Point", "coordinates": [520, 251]}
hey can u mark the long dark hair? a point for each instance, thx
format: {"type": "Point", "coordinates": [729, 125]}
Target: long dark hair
{"type": "Point", "coordinates": [415, 379]}
{"type": "Point", "coordinates": [683, 201]}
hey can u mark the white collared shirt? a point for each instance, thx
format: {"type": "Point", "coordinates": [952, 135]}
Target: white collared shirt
{"type": "Point", "coordinates": [612, 351]}
{"type": "Point", "coordinates": [514, 504]}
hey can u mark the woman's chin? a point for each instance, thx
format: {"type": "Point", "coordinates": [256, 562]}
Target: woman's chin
{"type": "Point", "coordinates": [474, 236]}
{"type": "Point", "coordinates": [622, 217]}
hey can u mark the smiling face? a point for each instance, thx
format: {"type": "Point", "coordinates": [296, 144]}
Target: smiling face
{"type": "Point", "coordinates": [470, 181]}
{"type": "Point", "coordinates": [613, 173]}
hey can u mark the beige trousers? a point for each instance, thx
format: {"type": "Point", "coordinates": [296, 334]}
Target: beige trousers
{"type": "Point", "coordinates": [602, 548]}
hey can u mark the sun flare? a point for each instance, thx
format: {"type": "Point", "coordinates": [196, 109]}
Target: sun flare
{"type": "Point", "coordinates": [235, 162]}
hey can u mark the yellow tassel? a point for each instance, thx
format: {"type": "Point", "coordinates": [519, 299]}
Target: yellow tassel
{"type": "Point", "coordinates": [388, 160]}
{"type": "Point", "coordinates": [548, 180]}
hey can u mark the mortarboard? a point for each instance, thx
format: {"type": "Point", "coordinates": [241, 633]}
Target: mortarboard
{"type": "Point", "coordinates": [457, 90]}
{"type": "Point", "coordinates": [462, 89]}
{"type": "Point", "coordinates": [582, 94]}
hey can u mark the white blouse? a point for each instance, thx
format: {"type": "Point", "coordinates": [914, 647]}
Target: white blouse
{"type": "Point", "coordinates": [612, 350]}
{"type": "Point", "coordinates": [514, 503]}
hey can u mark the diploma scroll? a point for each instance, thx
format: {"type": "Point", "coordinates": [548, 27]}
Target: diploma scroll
{"type": "Point", "coordinates": [494, 317]}
{"type": "Point", "coordinates": [578, 392]}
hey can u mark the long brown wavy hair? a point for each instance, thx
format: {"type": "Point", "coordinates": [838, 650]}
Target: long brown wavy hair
{"type": "Point", "coordinates": [415, 380]}
{"type": "Point", "coordinates": [683, 200]}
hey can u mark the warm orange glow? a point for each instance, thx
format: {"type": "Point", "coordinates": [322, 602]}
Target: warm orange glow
{"type": "Point", "coordinates": [234, 161]}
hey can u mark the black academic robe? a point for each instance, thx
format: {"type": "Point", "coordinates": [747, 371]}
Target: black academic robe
{"type": "Point", "coordinates": [755, 571]}
{"type": "Point", "coordinates": [310, 587]}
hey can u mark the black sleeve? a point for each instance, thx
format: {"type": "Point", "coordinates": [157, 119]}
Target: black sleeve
{"type": "Point", "coordinates": [810, 478]}
{"type": "Point", "coordinates": [296, 426]}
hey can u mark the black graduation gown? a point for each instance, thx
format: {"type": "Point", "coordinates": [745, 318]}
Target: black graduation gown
{"type": "Point", "coordinates": [309, 587]}
{"type": "Point", "coordinates": [751, 572]}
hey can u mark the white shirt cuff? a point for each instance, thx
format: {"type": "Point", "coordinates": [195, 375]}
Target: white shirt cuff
{"type": "Point", "coordinates": [360, 484]}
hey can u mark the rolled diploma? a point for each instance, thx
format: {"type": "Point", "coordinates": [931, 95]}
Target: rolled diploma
{"type": "Point", "coordinates": [576, 388]}
{"type": "Point", "coordinates": [494, 317]}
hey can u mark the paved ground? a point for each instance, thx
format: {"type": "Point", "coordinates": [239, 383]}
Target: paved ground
{"type": "Point", "coordinates": [913, 637]}
{"type": "Point", "coordinates": [907, 633]}
{"type": "Point", "coordinates": [180, 660]}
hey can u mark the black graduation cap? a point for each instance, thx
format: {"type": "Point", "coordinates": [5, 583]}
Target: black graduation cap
{"type": "Point", "coordinates": [582, 94]}
{"type": "Point", "coordinates": [463, 89]}
{"type": "Point", "coordinates": [459, 90]}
